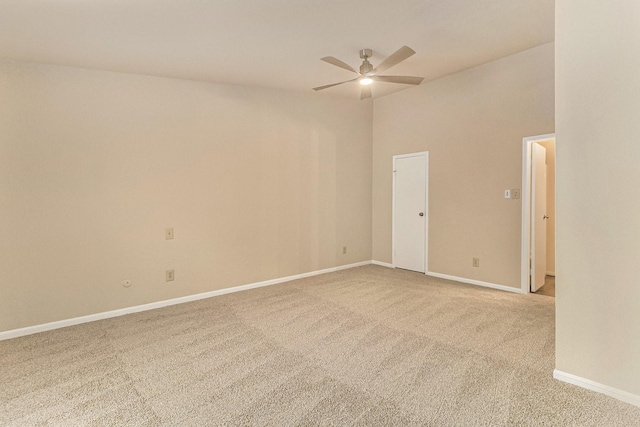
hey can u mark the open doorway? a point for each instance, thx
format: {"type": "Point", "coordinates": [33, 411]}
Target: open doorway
{"type": "Point", "coordinates": [538, 215]}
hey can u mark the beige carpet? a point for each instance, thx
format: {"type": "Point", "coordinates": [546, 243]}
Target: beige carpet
{"type": "Point", "coordinates": [366, 346]}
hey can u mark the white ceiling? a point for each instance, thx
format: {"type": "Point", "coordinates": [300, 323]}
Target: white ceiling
{"type": "Point", "coordinates": [271, 43]}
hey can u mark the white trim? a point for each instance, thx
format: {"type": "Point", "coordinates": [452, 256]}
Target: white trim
{"type": "Point", "coordinates": [622, 395]}
{"type": "Point", "coordinates": [15, 333]}
{"type": "Point", "coordinates": [382, 264]}
{"type": "Point", "coordinates": [426, 206]}
{"type": "Point", "coordinates": [525, 197]}
{"type": "Point", "coordinates": [476, 282]}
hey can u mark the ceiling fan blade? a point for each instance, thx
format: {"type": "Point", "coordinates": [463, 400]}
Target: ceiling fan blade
{"type": "Point", "coordinates": [335, 61]}
{"type": "Point", "coordinates": [366, 92]}
{"type": "Point", "coordinates": [334, 84]}
{"type": "Point", "coordinates": [394, 59]}
{"type": "Point", "coordinates": [407, 80]}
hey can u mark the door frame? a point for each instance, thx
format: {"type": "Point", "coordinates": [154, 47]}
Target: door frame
{"type": "Point", "coordinates": [426, 207]}
{"type": "Point", "coordinates": [525, 265]}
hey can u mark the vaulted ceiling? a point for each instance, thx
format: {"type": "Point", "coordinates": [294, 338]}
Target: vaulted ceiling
{"type": "Point", "coordinates": [271, 43]}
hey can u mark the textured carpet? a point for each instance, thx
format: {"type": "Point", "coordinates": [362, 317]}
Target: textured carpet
{"type": "Point", "coordinates": [366, 346]}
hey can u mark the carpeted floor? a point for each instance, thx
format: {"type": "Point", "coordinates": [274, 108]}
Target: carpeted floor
{"type": "Point", "coordinates": [366, 346]}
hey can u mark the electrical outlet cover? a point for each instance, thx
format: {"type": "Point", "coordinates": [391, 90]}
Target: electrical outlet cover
{"type": "Point", "coordinates": [168, 233]}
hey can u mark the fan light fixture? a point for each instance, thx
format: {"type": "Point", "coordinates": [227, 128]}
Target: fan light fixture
{"type": "Point", "coordinates": [368, 74]}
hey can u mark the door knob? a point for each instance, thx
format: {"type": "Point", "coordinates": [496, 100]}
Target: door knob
{"type": "Point", "coordinates": [545, 217]}
{"type": "Point", "coordinates": [421, 214]}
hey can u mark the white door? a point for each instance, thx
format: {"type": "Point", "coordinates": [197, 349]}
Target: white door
{"type": "Point", "coordinates": [539, 216]}
{"type": "Point", "coordinates": [410, 217]}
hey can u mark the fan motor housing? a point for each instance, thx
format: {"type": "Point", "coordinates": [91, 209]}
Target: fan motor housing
{"type": "Point", "coordinates": [366, 66]}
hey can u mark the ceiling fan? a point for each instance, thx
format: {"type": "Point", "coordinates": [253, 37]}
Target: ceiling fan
{"type": "Point", "coordinates": [368, 74]}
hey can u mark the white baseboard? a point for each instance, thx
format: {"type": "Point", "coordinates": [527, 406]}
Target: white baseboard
{"type": "Point", "coordinates": [624, 396]}
{"type": "Point", "coordinates": [382, 264]}
{"type": "Point", "coordinates": [15, 333]}
{"type": "Point", "coordinates": [476, 282]}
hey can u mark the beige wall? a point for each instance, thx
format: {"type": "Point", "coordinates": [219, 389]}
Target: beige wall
{"type": "Point", "coordinates": [258, 184]}
{"type": "Point", "coordinates": [550, 146]}
{"type": "Point", "coordinates": [472, 123]}
{"type": "Point", "coordinates": [598, 191]}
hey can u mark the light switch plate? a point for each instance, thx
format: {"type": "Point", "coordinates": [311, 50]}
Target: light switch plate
{"type": "Point", "coordinates": [168, 233]}
{"type": "Point", "coordinates": [515, 193]}
{"type": "Point", "coordinates": [507, 194]}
